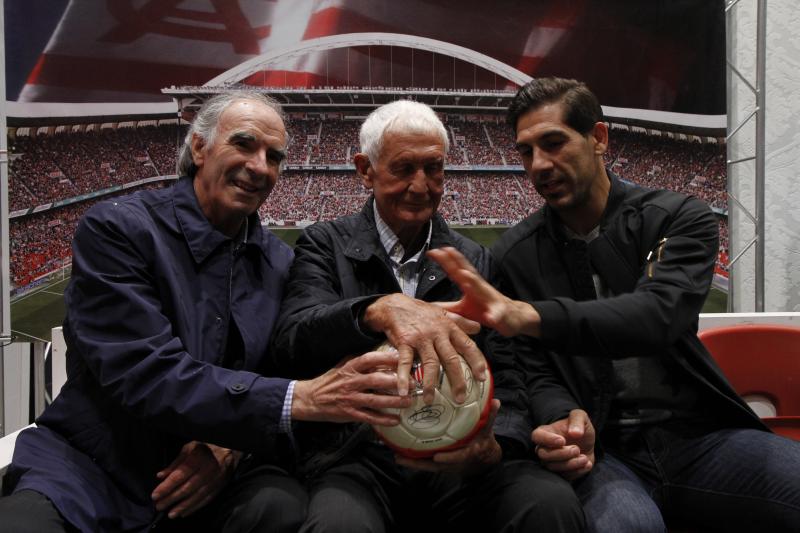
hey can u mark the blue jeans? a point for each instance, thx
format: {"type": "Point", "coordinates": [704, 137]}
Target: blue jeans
{"type": "Point", "coordinates": [722, 480]}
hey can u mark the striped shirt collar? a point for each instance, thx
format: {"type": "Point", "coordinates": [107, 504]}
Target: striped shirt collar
{"type": "Point", "coordinates": [406, 276]}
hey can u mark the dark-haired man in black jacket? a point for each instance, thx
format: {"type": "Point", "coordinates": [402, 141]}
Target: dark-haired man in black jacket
{"type": "Point", "coordinates": [606, 283]}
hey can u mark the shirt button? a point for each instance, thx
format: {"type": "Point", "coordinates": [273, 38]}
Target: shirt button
{"type": "Point", "coordinates": [431, 277]}
{"type": "Point", "coordinates": [237, 387]}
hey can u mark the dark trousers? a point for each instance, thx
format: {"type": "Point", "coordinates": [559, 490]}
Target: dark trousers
{"type": "Point", "coordinates": [260, 498]}
{"type": "Point", "coordinates": [28, 511]}
{"type": "Point", "coordinates": [369, 492]}
{"type": "Point", "coordinates": [687, 475]}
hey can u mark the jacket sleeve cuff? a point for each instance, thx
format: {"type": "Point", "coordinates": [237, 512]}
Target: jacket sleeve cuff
{"type": "Point", "coordinates": [358, 308]}
{"type": "Point", "coordinates": [512, 430]}
{"type": "Point", "coordinates": [554, 323]}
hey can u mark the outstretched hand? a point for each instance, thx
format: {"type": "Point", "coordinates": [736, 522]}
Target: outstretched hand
{"type": "Point", "coordinates": [481, 302]}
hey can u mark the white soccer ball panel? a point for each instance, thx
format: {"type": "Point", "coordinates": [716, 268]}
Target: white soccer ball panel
{"type": "Point", "coordinates": [464, 419]}
{"type": "Point", "coordinates": [427, 421]}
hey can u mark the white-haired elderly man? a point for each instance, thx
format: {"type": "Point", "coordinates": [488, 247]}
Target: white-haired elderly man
{"type": "Point", "coordinates": [169, 314]}
{"type": "Point", "coordinates": [364, 278]}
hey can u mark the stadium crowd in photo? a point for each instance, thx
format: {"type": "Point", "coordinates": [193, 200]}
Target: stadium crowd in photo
{"type": "Point", "coordinates": [56, 173]}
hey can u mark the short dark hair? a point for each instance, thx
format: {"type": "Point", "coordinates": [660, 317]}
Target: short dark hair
{"type": "Point", "coordinates": [581, 107]}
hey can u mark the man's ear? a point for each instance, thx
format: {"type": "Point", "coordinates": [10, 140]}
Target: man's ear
{"type": "Point", "coordinates": [198, 155]}
{"type": "Point", "coordinates": [364, 169]}
{"type": "Point", "coordinates": [600, 135]}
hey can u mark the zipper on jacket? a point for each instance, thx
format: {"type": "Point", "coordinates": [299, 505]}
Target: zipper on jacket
{"type": "Point", "coordinates": [658, 251]}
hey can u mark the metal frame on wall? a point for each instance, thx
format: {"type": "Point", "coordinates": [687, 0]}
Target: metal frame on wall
{"type": "Point", "coordinates": [758, 88]}
{"type": "Point", "coordinates": [5, 305]}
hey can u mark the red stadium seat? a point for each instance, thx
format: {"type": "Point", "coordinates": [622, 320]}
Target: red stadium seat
{"type": "Point", "coordinates": [762, 360]}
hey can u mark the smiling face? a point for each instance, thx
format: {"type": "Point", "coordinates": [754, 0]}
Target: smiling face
{"type": "Point", "coordinates": [407, 180]}
{"type": "Point", "coordinates": [236, 173]}
{"type": "Point", "coordinates": [566, 167]}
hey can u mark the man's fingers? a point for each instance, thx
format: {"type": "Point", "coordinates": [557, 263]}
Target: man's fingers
{"type": "Point", "coordinates": [369, 400]}
{"type": "Point", "coordinates": [430, 371]}
{"type": "Point", "coordinates": [576, 423]}
{"type": "Point", "coordinates": [459, 269]}
{"type": "Point", "coordinates": [178, 507]}
{"type": "Point", "coordinates": [564, 453]}
{"type": "Point", "coordinates": [177, 477]}
{"type": "Point", "coordinates": [404, 362]}
{"type": "Point", "coordinates": [376, 360]}
{"type": "Point", "coordinates": [185, 450]}
{"type": "Point", "coordinates": [545, 436]}
{"type": "Point", "coordinates": [359, 413]}
{"type": "Point", "coordinates": [470, 327]}
{"type": "Point", "coordinates": [191, 508]}
{"type": "Point", "coordinates": [195, 499]}
{"type": "Point", "coordinates": [383, 382]}
{"type": "Point", "coordinates": [453, 311]}
{"type": "Point", "coordinates": [574, 465]}
{"type": "Point", "coordinates": [450, 307]}
{"type": "Point", "coordinates": [471, 354]}
{"type": "Point", "coordinates": [178, 493]}
{"type": "Point", "coordinates": [451, 260]}
{"type": "Point", "coordinates": [371, 371]}
{"type": "Point", "coordinates": [451, 362]}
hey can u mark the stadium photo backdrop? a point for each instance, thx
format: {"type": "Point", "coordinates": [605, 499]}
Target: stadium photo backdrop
{"type": "Point", "coordinates": [74, 68]}
{"type": "Point", "coordinates": [665, 55]}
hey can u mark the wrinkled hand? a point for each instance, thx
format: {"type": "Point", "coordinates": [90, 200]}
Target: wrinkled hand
{"type": "Point", "coordinates": [481, 302]}
{"type": "Point", "coordinates": [192, 480]}
{"type": "Point", "coordinates": [567, 445]}
{"type": "Point", "coordinates": [350, 392]}
{"type": "Point", "coordinates": [480, 453]}
{"type": "Point", "coordinates": [413, 325]}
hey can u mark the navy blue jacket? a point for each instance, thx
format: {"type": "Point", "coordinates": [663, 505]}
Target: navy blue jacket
{"type": "Point", "coordinates": [152, 292]}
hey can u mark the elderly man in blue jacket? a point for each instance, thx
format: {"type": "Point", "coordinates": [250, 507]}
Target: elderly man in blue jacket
{"type": "Point", "coordinates": [170, 309]}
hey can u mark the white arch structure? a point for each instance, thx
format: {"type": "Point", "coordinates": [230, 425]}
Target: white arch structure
{"type": "Point", "coordinates": [346, 40]}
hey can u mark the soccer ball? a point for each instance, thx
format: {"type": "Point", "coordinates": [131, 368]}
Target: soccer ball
{"type": "Point", "coordinates": [443, 425]}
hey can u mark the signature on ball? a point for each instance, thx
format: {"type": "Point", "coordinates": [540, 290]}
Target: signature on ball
{"type": "Point", "coordinates": [426, 417]}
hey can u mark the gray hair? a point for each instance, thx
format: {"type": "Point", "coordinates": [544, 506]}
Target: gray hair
{"type": "Point", "coordinates": [404, 116]}
{"type": "Point", "coordinates": [206, 121]}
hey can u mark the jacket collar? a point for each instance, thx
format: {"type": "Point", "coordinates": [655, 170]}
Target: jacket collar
{"type": "Point", "coordinates": [366, 242]}
{"type": "Point", "coordinates": [201, 237]}
{"type": "Point", "coordinates": [616, 195]}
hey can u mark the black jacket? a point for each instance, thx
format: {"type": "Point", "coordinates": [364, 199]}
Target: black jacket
{"type": "Point", "coordinates": [340, 267]}
{"type": "Point", "coordinates": [656, 253]}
